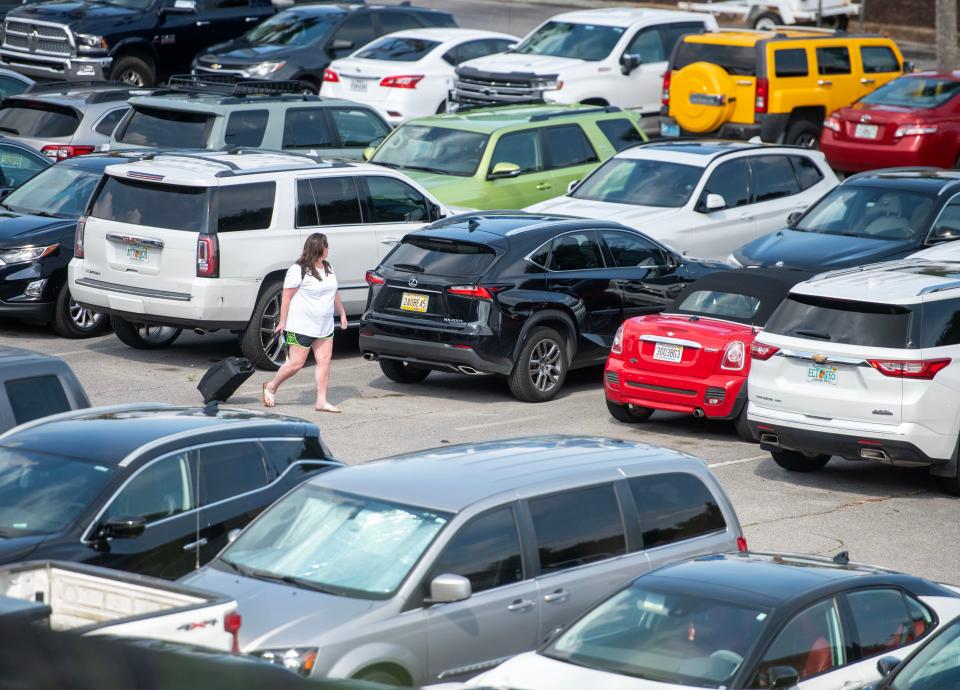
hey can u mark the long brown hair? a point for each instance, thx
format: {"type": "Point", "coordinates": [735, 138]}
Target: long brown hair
{"type": "Point", "coordinates": [313, 249]}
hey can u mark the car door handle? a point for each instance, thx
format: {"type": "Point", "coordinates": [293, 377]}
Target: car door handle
{"type": "Point", "coordinates": [864, 80]}
{"type": "Point", "coordinates": [252, 19]}
{"type": "Point", "coordinates": [203, 22]}
{"type": "Point", "coordinates": [824, 82]}
{"type": "Point", "coordinates": [389, 240]}
{"type": "Point", "coordinates": [521, 605]}
{"type": "Point", "coordinates": [544, 185]}
{"type": "Point", "coordinates": [557, 596]}
{"type": "Point", "coordinates": [195, 544]}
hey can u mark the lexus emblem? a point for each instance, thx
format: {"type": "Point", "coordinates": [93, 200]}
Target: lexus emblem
{"type": "Point", "coordinates": [819, 359]}
{"type": "Point", "coordinates": [864, 118]}
{"type": "Point", "coordinates": [413, 282]}
{"type": "Point", "coordinates": [33, 40]}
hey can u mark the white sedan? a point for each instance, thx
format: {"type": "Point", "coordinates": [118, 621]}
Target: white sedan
{"type": "Point", "coordinates": [408, 74]}
{"type": "Point", "coordinates": [703, 198]}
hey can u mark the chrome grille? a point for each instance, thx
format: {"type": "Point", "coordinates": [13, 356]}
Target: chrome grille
{"type": "Point", "coordinates": [474, 89]}
{"type": "Point", "coordinates": [31, 37]}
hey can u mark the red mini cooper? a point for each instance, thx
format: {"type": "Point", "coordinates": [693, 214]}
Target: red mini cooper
{"type": "Point", "coordinates": [694, 357]}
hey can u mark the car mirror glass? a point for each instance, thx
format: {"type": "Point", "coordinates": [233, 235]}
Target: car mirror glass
{"type": "Point", "coordinates": [885, 665]}
{"type": "Point", "coordinates": [794, 218]}
{"type": "Point", "coordinates": [783, 677]}
{"type": "Point", "coordinates": [123, 527]}
{"type": "Point", "coordinates": [505, 169]}
{"type": "Point", "coordinates": [629, 62]}
{"type": "Point", "coordinates": [448, 588]}
{"type": "Point", "coordinates": [944, 233]}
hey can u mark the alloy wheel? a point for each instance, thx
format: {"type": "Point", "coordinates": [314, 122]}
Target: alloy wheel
{"type": "Point", "coordinates": [807, 141]}
{"type": "Point", "coordinates": [545, 365]}
{"type": "Point", "coordinates": [272, 345]}
{"type": "Point", "coordinates": [83, 318]}
{"type": "Point", "coordinates": [131, 77]}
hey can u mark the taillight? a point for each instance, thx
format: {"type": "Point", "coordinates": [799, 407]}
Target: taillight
{"type": "Point", "coordinates": [330, 75]}
{"type": "Point", "coordinates": [59, 152]}
{"type": "Point", "coordinates": [617, 348]}
{"type": "Point", "coordinates": [734, 356]}
{"type": "Point", "coordinates": [832, 124]}
{"type": "Point", "coordinates": [763, 91]}
{"type": "Point", "coordinates": [78, 238]}
{"type": "Point", "coordinates": [403, 81]}
{"type": "Point", "coordinates": [914, 130]}
{"type": "Point", "coordinates": [477, 291]}
{"type": "Point", "coordinates": [231, 624]}
{"type": "Point", "coordinates": [909, 369]}
{"type": "Point", "coordinates": [742, 544]}
{"type": "Point", "coordinates": [374, 278]}
{"type": "Point", "coordinates": [208, 256]}
{"type": "Point", "coordinates": [665, 94]}
{"type": "Point", "coordinates": [762, 351]}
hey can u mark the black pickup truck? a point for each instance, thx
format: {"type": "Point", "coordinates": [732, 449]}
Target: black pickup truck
{"type": "Point", "coordinates": [139, 42]}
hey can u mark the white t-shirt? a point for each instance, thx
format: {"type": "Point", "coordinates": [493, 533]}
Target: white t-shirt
{"type": "Point", "coordinates": [311, 309]}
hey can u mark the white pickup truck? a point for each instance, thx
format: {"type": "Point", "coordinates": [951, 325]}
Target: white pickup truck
{"type": "Point", "coordinates": [89, 600]}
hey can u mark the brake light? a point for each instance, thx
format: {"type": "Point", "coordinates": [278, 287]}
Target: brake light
{"type": "Point", "coordinates": [763, 91]}
{"type": "Point", "coordinates": [909, 369]}
{"type": "Point", "coordinates": [403, 81]}
{"type": "Point", "coordinates": [59, 152]}
{"type": "Point", "coordinates": [477, 291]}
{"type": "Point", "coordinates": [734, 356]}
{"type": "Point", "coordinates": [832, 123]}
{"type": "Point", "coordinates": [231, 624]}
{"type": "Point", "coordinates": [78, 238]}
{"type": "Point", "coordinates": [330, 76]}
{"type": "Point", "coordinates": [208, 256]}
{"type": "Point", "coordinates": [742, 544]}
{"type": "Point", "coordinates": [665, 94]}
{"type": "Point", "coordinates": [914, 130]}
{"type": "Point", "coordinates": [762, 351]}
{"type": "Point", "coordinates": [374, 278]}
{"type": "Point", "coordinates": [617, 348]}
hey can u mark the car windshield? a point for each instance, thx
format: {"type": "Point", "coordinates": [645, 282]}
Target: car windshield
{"type": "Point", "coordinates": [42, 494]}
{"type": "Point", "coordinates": [878, 213]}
{"type": "Point", "coordinates": [60, 191]}
{"type": "Point", "coordinates": [914, 92]}
{"type": "Point", "coordinates": [728, 305]}
{"type": "Point", "coordinates": [397, 49]}
{"type": "Point", "coordinates": [432, 149]}
{"type": "Point", "coordinates": [640, 183]}
{"type": "Point", "coordinates": [664, 636]}
{"type": "Point", "coordinates": [345, 544]}
{"type": "Point", "coordinates": [590, 42]}
{"type": "Point", "coordinates": [293, 28]}
{"type": "Point", "coordinates": [936, 666]}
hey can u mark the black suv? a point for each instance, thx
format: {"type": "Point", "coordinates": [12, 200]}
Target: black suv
{"type": "Point", "coordinates": [299, 43]}
{"type": "Point", "coordinates": [528, 296]}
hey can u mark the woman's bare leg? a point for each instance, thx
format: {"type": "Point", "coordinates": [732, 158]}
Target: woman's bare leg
{"type": "Point", "coordinates": [322, 352]}
{"type": "Point", "coordinates": [296, 358]}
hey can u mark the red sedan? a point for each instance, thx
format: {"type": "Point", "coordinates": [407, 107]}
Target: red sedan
{"type": "Point", "coordinates": [912, 120]}
{"type": "Point", "coordinates": [695, 356]}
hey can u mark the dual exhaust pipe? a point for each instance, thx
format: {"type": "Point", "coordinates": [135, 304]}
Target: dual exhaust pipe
{"type": "Point", "coordinates": [462, 368]}
{"type": "Point", "coordinates": [866, 452]}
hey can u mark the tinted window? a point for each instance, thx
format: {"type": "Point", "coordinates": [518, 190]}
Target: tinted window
{"type": "Point", "coordinates": [940, 323]}
{"type": "Point", "coordinates": [245, 206]}
{"type": "Point", "coordinates": [156, 127]}
{"type": "Point", "coordinates": [486, 551]}
{"type": "Point", "coordinates": [842, 321]}
{"type": "Point", "coordinates": [229, 470]}
{"type": "Point", "coordinates": [161, 490]}
{"type": "Point", "coordinates": [834, 60]}
{"type": "Point", "coordinates": [791, 62]}
{"type": "Point", "coordinates": [396, 21]}
{"type": "Point", "coordinates": [475, 49]}
{"type": "Point", "coordinates": [398, 49]}
{"type": "Point", "coordinates": [35, 397]}
{"type": "Point", "coordinates": [358, 127]}
{"type": "Point", "coordinates": [567, 39]}
{"type": "Point", "coordinates": [674, 507]}
{"type": "Point", "coordinates": [914, 92]}
{"type": "Point", "coordinates": [880, 620]}
{"type": "Point", "coordinates": [16, 166]}
{"type": "Point", "coordinates": [877, 59]}
{"type": "Point", "coordinates": [935, 666]}
{"type": "Point", "coordinates": [11, 86]}
{"type": "Point", "coordinates": [293, 27]}
{"type": "Point", "coordinates": [812, 643]}
{"type": "Point", "coordinates": [741, 61]}
{"type": "Point", "coordinates": [109, 122]}
{"type": "Point", "coordinates": [358, 29]}
{"type": "Point", "coordinates": [155, 205]}
{"type": "Point", "coordinates": [26, 119]}
{"type": "Point", "coordinates": [575, 251]}
{"type": "Point", "coordinates": [303, 128]}
{"type": "Point", "coordinates": [246, 128]}
{"type": "Point", "coordinates": [520, 148]}
{"type": "Point", "coordinates": [620, 132]}
{"type": "Point", "coordinates": [947, 224]}
{"type": "Point", "coordinates": [878, 213]}
{"type": "Point", "coordinates": [807, 172]}
{"type": "Point", "coordinates": [441, 257]}
{"type": "Point", "coordinates": [393, 201]}
{"type": "Point", "coordinates": [640, 182]}
{"type": "Point", "coordinates": [327, 201]}
{"type": "Point", "coordinates": [61, 190]}
{"type": "Point", "coordinates": [567, 146]}
{"type": "Point", "coordinates": [223, 4]}
{"type": "Point", "coordinates": [731, 180]}
{"type": "Point", "coordinates": [281, 455]}
{"type": "Point", "coordinates": [672, 33]}
{"type": "Point", "coordinates": [773, 178]}
{"type": "Point", "coordinates": [628, 250]}
{"type": "Point", "coordinates": [577, 527]}
{"type": "Point", "coordinates": [648, 45]}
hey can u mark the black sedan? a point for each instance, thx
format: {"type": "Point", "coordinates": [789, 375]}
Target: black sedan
{"type": "Point", "coordinates": [153, 489]}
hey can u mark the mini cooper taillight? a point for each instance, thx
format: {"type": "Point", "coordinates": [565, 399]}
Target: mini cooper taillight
{"type": "Point", "coordinates": [617, 348]}
{"type": "Point", "coordinates": [762, 351]}
{"type": "Point", "coordinates": [208, 256]}
{"type": "Point", "coordinates": [734, 356]}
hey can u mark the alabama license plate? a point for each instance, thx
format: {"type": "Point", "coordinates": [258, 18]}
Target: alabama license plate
{"type": "Point", "coordinates": [820, 373]}
{"type": "Point", "coordinates": [138, 254]}
{"type": "Point", "coordinates": [669, 129]}
{"type": "Point", "coordinates": [358, 85]}
{"type": "Point", "coordinates": [865, 131]}
{"type": "Point", "coordinates": [668, 353]}
{"type": "Point", "coordinates": [412, 301]}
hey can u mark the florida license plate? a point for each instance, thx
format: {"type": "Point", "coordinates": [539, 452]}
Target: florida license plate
{"type": "Point", "coordinates": [668, 353]}
{"type": "Point", "coordinates": [358, 85]}
{"type": "Point", "coordinates": [865, 131]}
{"type": "Point", "coordinates": [820, 373]}
{"type": "Point", "coordinates": [138, 254]}
{"type": "Point", "coordinates": [412, 301]}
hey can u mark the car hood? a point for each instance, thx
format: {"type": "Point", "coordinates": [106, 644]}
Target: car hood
{"type": "Point", "coordinates": [541, 65]}
{"type": "Point", "coordinates": [17, 230]}
{"type": "Point", "coordinates": [276, 615]}
{"type": "Point", "coordinates": [71, 13]}
{"type": "Point", "coordinates": [450, 189]}
{"type": "Point", "coordinates": [16, 549]}
{"type": "Point", "coordinates": [532, 671]}
{"type": "Point", "coordinates": [244, 52]}
{"type": "Point", "coordinates": [628, 214]}
{"type": "Point", "coordinates": [813, 250]}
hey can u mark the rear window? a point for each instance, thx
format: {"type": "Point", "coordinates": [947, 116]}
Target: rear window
{"type": "Point", "coordinates": [156, 127]}
{"type": "Point", "coordinates": [620, 132]}
{"type": "Point", "coordinates": [168, 206]}
{"type": "Point", "coordinates": [843, 321]}
{"type": "Point", "coordinates": [38, 120]}
{"type": "Point", "coordinates": [441, 257]}
{"type": "Point", "coordinates": [674, 507]}
{"type": "Point", "coordinates": [726, 305]}
{"type": "Point", "coordinates": [397, 49]}
{"type": "Point", "coordinates": [734, 59]}
{"type": "Point", "coordinates": [35, 397]}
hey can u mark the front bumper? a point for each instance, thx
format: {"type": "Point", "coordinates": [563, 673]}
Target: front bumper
{"type": "Point", "coordinates": [65, 68]}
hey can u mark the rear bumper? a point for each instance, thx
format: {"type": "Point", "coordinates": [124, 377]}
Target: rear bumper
{"type": "Point", "coordinates": [852, 156]}
{"type": "Point", "coordinates": [770, 129]}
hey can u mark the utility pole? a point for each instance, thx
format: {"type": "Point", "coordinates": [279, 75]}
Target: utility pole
{"type": "Point", "coordinates": [947, 35]}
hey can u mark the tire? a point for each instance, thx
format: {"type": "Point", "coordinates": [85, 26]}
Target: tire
{"type": "Point", "coordinates": [384, 676]}
{"type": "Point", "coordinates": [403, 372]}
{"type": "Point", "coordinates": [541, 368]}
{"type": "Point", "coordinates": [132, 70]}
{"type": "Point", "coordinates": [628, 414]}
{"type": "Point", "coordinates": [841, 22]}
{"type": "Point", "coordinates": [143, 337]}
{"type": "Point", "coordinates": [743, 429]}
{"type": "Point", "coordinates": [795, 461]}
{"type": "Point", "coordinates": [309, 87]}
{"type": "Point", "coordinates": [766, 21]}
{"type": "Point", "coordinates": [802, 133]}
{"type": "Point", "coordinates": [70, 320]}
{"type": "Point", "coordinates": [260, 333]}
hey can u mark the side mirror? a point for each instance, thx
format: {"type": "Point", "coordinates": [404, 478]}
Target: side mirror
{"type": "Point", "coordinates": [448, 588]}
{"type": "Point", "coordinates": [783, 677]}
{"type": "Point", "coordinates": [122, 527]}
{"type": "Point", "coordinates": [436, 212]}
{"type": "Point", "coordinates": [629, 62]}
{"type": "Point", "coordinates": [504, 169]}
{"type": "Point", "coordinates": [232, 535]}
{"type": "Point", "coordinates": [180, 7]}
{"type": "Point", "coordinates": [943, 233]}
{"type": "Point", "coordinates": [573, 185]}
{"type": "Point", "coordinates": [341, 44]}
{"type": "Point", "coordinates": [554, 634]}
{"type": "Point", "coordinates": [909, 66]}
{"type": "Point", "coordinates": [886, 665]}
{"type": "Point", "coordinates": [368, 152]}
{"type": "Point", "coordinates": [794, 218]}
{"type": "Point", "coordinates": [713, 202]}
{"type": "Point", "coordinates": [4, 193]}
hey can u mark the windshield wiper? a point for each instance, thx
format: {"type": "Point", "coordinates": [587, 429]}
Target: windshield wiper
{"type": "Point", "coordinates": [410, 268]}
{"type": "Point", "coordinates": [813, 333]}
{"type": "Point", "coordinates": [233, 566]}
{"type": "Point", "coordinates": [307, 584]}
{"type": "Point", "coordinates": [423, 168]}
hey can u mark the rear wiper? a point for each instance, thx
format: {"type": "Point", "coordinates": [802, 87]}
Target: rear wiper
{"type": "Point", "coordinates": [11, 130]}
{"type": "Point", "coordinates": [822, 335]}
{"type": "Point", "coordinates": [410, 268]}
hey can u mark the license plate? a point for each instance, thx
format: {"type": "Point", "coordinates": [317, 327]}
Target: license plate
{"type": "Point", "coordinates": [865, 131]}
{"type": "Point", "coordinates": [411, 301]}
{"type": "Point", "coordinates": [668, 353]}
{"type": "Point", "coordinates": [668, 129]}
{"type": "Point", "coordinates": [138, 254]}
{"type": "Point", "coordinates": [358, 85]}
{"type": "Point", "coordinates": [819, 373]}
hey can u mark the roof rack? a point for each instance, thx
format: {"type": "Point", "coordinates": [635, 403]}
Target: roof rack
{"type": "Point", "coordinates": [233, 170]}
{"type": "Point", "coordinates": [810, 29]}
{"type": "Point", "coordinates": [103, 91]}
{"type": "Point", "coordinates": [228, 85]}
{"type": "Point", "coordinates": [602, 109]}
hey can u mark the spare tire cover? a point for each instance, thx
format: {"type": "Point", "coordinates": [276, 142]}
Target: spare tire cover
{"type": "Point", "coordinates": [702, 97]}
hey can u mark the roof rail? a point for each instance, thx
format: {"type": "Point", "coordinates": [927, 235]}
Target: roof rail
{"type": "Point", "coordinates": [233, 170]}
{"type": "Point", "coordinates": [80, 412]}
{"type": "Point", "coordinates": [811, 29]}
{"type": "Point", "coordinates": [600, 109]}
{"type": "Point", "coordinates": [930, 289]}
{"type": "Point", "coordinates": [228, 85]}
{"type": "Point", "coordinates": [903, 168]}
{"type": "Point", "coordinates": [55, 86]}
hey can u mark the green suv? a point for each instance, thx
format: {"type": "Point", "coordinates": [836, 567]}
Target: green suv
{"type": "Point", "coordinates": [507, 157]}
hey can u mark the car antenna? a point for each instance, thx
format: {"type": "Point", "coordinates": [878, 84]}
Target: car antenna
{"type": "Point", "coordinates": [842, 558]}
{"type": "Point", "coordinates": [472, 224]}
{"type": "Point", "coordinates": [212, 408]}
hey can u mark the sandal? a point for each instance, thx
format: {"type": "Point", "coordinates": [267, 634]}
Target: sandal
{"type": "Point", "coordinates": [333, 409]}
{"type": "Point", "coordinates": [269, 399]}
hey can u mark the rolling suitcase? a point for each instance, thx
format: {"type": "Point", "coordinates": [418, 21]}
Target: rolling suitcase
{"type": "Point", "coordinates": [224, 378]}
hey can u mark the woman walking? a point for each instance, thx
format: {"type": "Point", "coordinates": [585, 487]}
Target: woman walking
{"type": "Point", "coordinates": [306, 319]}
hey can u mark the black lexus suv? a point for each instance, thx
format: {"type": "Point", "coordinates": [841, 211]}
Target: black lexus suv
{"type": "Point", "coordinates": [527, 296]}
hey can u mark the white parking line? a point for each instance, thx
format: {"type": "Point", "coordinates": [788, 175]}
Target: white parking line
{"type": "Point", "coordinates": [505, 421]}
{"type": "Point", "coordinates": [738, 462]}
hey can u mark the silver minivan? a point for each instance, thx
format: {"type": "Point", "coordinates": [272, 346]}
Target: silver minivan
{"type": "Point", "coordinates": [437, 565]}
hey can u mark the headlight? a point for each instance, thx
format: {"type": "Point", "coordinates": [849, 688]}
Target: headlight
{"type": "Point", "coordinates": [92, 41]}
{"type": "Point", "coordinates": [551, 85]}
{"type": "Point", "coordinates": [25, 254]}
{"type": "Point", "coordinates": [733, 261]}
{"type": "Point", "coordinates": [299, 659]}
{"type": "Point", "coordinates": [265, 68]}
